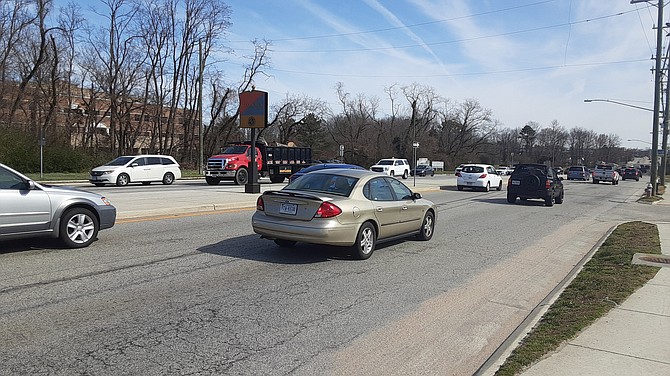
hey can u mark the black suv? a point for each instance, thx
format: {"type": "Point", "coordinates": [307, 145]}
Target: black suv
{"type": "Point", "coordinates": [535, 181]}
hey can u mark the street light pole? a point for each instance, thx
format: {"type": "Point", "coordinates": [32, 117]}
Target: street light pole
{"type": "Point", "coordinates": [616, 102]}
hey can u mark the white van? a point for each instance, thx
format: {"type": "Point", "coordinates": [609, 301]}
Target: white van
{"type": "Point", "coordinates": [143, 169]}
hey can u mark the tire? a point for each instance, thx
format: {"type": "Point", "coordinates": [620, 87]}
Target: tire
{"type": "Point", "coordinates": [392, 174]}
{"type": "Point", "coordinates": [277, 179]}
{"type": "Point", "coordinates": [595, 181]}
{"type": "Point", "coordinates": [511, 198]}
{"type": "Point", "coordinates": [365, 241]}
{"type": "Point", "coordinates": [168, 178]}
{"type": "Point", "coordinates": [241, 176]}
{"type": "Point", "coordinates": [488, 187]}
{"type": "Point", "coordinates": [559, 198]}
{"type": "Point", "coordinates": [637, 179]}
{"type": "Point", "coordinates": [122, 180]}
{"type": "Point", "coordinates": [499, 188]}
{"type": "Point", "coordinates": [427, 227]}
{"type": "Point", "coordinates": [212, 181]}
{"type": "Point", "coordinates": [460, 187]}
{"type": "Point", "coordinates": [78, 228]}
{"type": "Point", "coordinates": [285, 243]}
{"type": "Point", "coordinates": [405, 174]}
{"type": "Point", "coordinates": [549, 201]}
{"type": "Point", "coordinates": [432, 174]}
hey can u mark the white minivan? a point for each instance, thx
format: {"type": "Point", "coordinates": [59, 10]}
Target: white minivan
{"type": "Point", "coordinates": [143, 169]}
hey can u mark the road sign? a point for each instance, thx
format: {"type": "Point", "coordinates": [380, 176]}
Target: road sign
{"type": "Point", "coordinates": [253, 109]}
{"type": "Point", "coordinates": [661, 152]}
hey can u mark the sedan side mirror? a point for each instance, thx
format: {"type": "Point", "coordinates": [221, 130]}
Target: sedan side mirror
{"type": "Point", "coordinates": [416, 196]}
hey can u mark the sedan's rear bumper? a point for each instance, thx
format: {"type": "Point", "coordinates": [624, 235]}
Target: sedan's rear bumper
{"type": "Point", "coordinates": [317, 231]}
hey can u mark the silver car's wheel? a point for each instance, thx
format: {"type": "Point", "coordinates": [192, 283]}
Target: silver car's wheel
{"type": "Point", "coordinates": [78, 227]}
{"type": "Point", "coordinates": [427, 226]}
{"type": "Point", "coordinates": [365, 241]}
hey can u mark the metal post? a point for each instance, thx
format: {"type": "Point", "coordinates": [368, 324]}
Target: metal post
{"type": "Point", "coordinates": [201, 153]}
{"type": "Point", "coordinates": [664, 143]}
{"type": "Point", "coordinates": [657, 99]}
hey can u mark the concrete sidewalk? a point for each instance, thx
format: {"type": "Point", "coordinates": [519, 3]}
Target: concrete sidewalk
{"type": "Point", "coordinates": [632, 339]}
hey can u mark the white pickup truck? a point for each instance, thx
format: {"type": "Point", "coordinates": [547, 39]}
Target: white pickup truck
{"type": "Point", "coordinates": [606, 172]}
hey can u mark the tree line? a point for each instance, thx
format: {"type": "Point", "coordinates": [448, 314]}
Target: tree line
{"type": "Point", "coordinates": [147, 70]}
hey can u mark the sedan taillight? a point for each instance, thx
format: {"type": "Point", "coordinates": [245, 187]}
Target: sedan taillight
{"type": "Point", "coordinates": [327, 210]}
{"type": "Point", "coordinates": [547, 184]}
{"type": "Point", "coordinates": [458, 174]}
{"type": "Point", "coordinates": [260, 205]}
{"type": "Point", "coordinates": [482, 176]}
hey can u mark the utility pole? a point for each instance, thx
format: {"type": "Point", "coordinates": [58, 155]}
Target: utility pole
{"type": "Point", "coordinates": [657, 96]}
{"type": "Point", "coordinates": [201, 153]}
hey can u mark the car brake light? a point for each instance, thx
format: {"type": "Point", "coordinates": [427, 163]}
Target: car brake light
{"type": "Point", "coordinates": [458, 174]}
{"type": "Point", "coordinates": [482, 176]}
{"type": "Point", "coordinates": [547, 184]}
{"type": "Point", "coordinates": [260, 205]}
{"type": "Point", "coordinates": [327, 210]}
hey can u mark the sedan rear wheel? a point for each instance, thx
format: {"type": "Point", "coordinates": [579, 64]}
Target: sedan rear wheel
{"type": "Point", "coordinates": [488, 187]}
{"type": "Point", "coordinates": [365, 241]}
{"type": "Point", "coordinates": [427, 226]}
{"type": "Point", "coordinates": [78, 228]}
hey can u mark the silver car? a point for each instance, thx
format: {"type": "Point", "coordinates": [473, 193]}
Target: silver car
{"type": "Point", "coordinates": [343, 207]}
{"type": "Point", "coordinates": [29, 209]}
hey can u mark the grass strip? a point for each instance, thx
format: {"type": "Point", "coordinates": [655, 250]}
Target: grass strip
{"type": "Point", "coordinates": [604, 282]}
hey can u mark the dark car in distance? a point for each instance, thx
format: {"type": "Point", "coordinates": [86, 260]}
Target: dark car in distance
{"type": "Point", "coordinates": [423, 170]}
{"type": "Point", "coordinates": [530, 181]}
{"type": "Point", "coordinates": [631, 173]}
{"type": "Point", "coordinates": [323, 166]}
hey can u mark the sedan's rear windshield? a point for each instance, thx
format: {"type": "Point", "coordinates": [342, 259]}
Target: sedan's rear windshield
{"type": "Point", "coordinates": [324, 183]}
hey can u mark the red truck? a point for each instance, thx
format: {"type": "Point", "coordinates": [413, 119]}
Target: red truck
{"type": "Point", "coordinates": [275, 162]}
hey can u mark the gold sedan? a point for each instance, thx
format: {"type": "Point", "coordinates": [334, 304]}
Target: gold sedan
{"type": "Point", "coordinates": [343, 207]}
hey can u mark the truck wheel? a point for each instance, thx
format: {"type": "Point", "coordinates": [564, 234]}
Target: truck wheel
{"type": "Point", "coordinates": [277, 179]}
{"type": "Point", "coordinates": [392, 174]}
{"type": "Point", "coordinates": [405, 174]}
{"type": "Point", "coordinates": [212, 181]}
{"type": "Point", "coordinates": [511, 198]}
{"type": "Point", "coordinates": [242, 176]}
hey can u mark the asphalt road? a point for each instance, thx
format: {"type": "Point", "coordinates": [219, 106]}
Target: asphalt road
{"type": "Point", "coordinates": [202, 294]}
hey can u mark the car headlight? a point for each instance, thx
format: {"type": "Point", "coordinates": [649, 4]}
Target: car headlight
{"type": "Point", "coordinates": [107, 172]}
{"type": "Point", "coordinates": [105, 201]}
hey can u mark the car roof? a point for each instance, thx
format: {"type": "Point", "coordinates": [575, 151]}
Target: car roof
{"type": "Point", "coordinates": [322, 166]}
{"type": "Point", "coordinates": [477, 164]}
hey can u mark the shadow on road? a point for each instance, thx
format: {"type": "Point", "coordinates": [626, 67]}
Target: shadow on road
{"type": "Point", "coordinates": [252, 247]}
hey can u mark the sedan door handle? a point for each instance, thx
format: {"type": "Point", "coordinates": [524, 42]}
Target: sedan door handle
{"type": "Point", "coordinates": [404, 207]}
{"type": "Point", "coordinates": [380, 209]}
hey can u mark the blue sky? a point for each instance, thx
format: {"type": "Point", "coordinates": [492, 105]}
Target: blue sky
{"type": "Point", "coordinates": [526, 60]}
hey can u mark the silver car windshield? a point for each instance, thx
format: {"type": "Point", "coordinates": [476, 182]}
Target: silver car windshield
{"type": "Point", "coordinates": [324, 183]}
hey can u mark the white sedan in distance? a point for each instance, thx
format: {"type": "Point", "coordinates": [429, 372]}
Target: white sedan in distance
{"type": "Point", "coordinates": [479, 176]}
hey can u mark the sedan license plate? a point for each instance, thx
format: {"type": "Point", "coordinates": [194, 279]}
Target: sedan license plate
{"type": "Point", "coordinates": [469, 183]}
{"type": "Point", "coordinates": [287, 208]}
{"type": "Point", "coordinates": [516, 182]}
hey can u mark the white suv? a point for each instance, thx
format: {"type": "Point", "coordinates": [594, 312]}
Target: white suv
{"type": "Point", "coordinates": [137, 168]}
{"type": "Point", "coordinates": [392, 167]}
